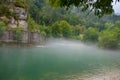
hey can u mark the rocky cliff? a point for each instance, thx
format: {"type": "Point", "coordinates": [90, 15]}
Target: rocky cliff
{"type": "Point", "coordinates": [15, 18]}
{"type": "Point", "coordinates": [19, 19]}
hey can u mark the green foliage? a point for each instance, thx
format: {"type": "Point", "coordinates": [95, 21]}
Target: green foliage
{"type": "Point", "coordinates": [55, 3]}
{"type": "Point", "coordinates": [2, 28]}
{"type": "Point", "coordinates": [4, 11]}
{"type": "Point", "coordinates": [4, 1]}
{"type": "Point", "coordinates": [4, 7]}
{"type": "Point", "coordinates": [35, 9]}
{"type": "Point", "coordinates": [39, 12]}
{"type": "Point", "coordinates": [33, 26]}
{"type": "Point", "coordinates": [46, 31]}
{"type": "Point", "coordinates": [91, 34]}
{"type": "Point", "coordinates": [117, 24]}
{"type": "Point", "coordinates": [57, 30]}
{"type": "Point", "coordinates": [107, 39]}
{"type": "Point", "coordinates": [78, 29]}
{"type": "Point", "coordinates": [110, 38]}
{"type": "Point", "coordinates": [6, 20]}
{"type": "Point", "coordinates": [66, 29]}
{"type": "Point", "coordinates": [20, 3]}
{"type": "Point", "coordinates": [43, 34]}
{"type": "Point", "coordinates": [109, 26]}
{"type": "Point", "coordinates": [117, 33]}
{"type": "Point", "coordinates": [77, 37]}
{"type": "Point", "coordinates": [100, 7]}
{"type": "Point", "coordinates": [61, 29]}
{"type": "Point", "coordinates": [18, 34]}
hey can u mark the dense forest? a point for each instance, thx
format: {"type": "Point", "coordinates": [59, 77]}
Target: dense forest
{"type": "Point", "coordinates": [72, 23]}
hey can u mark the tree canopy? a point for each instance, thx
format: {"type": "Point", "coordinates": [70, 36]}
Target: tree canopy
{"type": "Point", "coordinates": [100, 7]}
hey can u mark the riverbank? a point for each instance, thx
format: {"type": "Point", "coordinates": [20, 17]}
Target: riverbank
{"type": "Point", "coordinates": [49, 41]}
{"type": "Point", "coordinates": [17, 44]}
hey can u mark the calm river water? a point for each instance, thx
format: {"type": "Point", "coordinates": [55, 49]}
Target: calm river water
{"type": "Point", "coordinates": [56, 60]}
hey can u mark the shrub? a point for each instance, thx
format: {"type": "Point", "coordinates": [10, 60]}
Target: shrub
{"type": "Point", "coordinates": [46, 30]}
{"type": "Point", "coordinates": [108, 39]}
{"type": "Point", "coordinates": [33, 26]}
{"type": "Point", "coordinates": [18, 35]}
{"type": "Point", "coordinates": [91, 34]}
{"type": "Point", "coordinates": [20, 3]}
{"type": "Point", "coordinates": [2, 28]}
{"type": "Point", "coordinates": [4, 11]}
{"type": "Point", "coordinates": [61, 29]}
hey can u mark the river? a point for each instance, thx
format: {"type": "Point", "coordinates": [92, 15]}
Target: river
{"type": "Point", "coordinates": [57, 60]}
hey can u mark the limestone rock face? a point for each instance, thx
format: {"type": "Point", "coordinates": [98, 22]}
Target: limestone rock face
{"type": "Point", "coordinates": [21, 20]}
{"type": "Point", "coordinates": [18, 18]}
{"type": "Point", "coordinates": [12, 23]}
{"type": "Point", "coordinates": [23, 24]}
{"type": "Point", "coordinates": [21, 13]}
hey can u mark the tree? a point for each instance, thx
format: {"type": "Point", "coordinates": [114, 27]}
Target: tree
{"type": "Point", "coordinates": [117, 24]}
{"type": "Point", "coordinates": [66, 29]}
{"type": "Point", "coordinates": [61, 29]}
{"type": "Point", "coordinates": [4, 10]}
{"type": "Point", "coordinates": [79, 29]}
{"type": "Point", "coordinates": [91, 34]}
{"type": "Point", "coordinates": [108, 39]}
{"type": "Point", "coordinates": [32, 25]}
{"type": "Point", "coordinates": [56, 30]}
{"type": "Point", "coordinates": [35, 6]}
{"type": "Point", "coordinates": [109, 26]}
{"type": "Point", "coordinates": [117, 30]}
{"type": "Point", "coordinates": [46, 30]}
{"type": "Point", "coordinates": [100, 7]}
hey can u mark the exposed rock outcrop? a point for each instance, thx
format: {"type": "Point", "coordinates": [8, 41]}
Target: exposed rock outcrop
{"type": "Point", "coordinates": [21, 18]}
{"type": "Point", "coordinates": [18, 19]}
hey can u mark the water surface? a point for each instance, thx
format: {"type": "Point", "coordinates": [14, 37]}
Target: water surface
{"type": "Point", "coordinates": [55, 61]}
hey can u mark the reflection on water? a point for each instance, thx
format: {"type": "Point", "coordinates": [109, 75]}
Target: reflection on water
{"type": "Point", "coordinates": [57, 60]}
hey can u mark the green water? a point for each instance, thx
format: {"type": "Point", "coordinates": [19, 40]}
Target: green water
{"type": "Point", "coordinates": [54, 60]}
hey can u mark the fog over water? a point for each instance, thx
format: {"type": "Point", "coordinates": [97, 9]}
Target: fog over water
{"type": "Point", "coordinates": [55, 61]}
